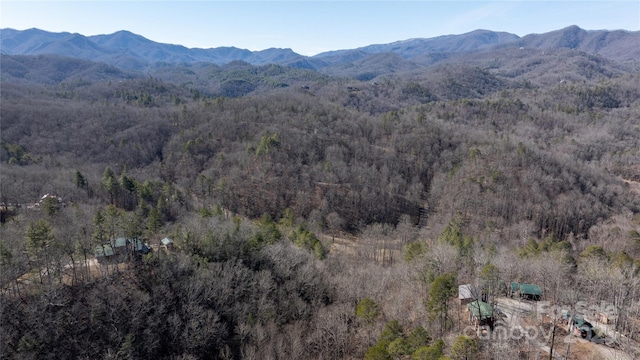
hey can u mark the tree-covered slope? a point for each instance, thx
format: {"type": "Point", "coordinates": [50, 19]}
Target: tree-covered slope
{"type": "Point", "coordinates": [313, 216]}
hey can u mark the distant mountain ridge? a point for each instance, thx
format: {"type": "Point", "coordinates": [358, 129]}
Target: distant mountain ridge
{"type": "Point", "coordinates": [617, 45]}
{"type": "Point", "coordinates": [127, 50]}
{"type": "Point", "coordinates": [472, 41]}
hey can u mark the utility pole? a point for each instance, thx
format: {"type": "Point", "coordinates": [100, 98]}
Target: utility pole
{"type": "Point", "coordinates": [569, 321]}
{"type": "Point", "coordinates": [553, 338]}
{"type": "Point", "coordinates": [569, 345]}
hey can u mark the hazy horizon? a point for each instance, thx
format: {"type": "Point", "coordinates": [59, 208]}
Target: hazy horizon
{"type": "Point", "coordinates": [312, 27]}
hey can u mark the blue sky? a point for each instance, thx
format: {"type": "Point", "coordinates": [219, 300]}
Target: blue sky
{"type": "Point", "coordinates": [311, 27]}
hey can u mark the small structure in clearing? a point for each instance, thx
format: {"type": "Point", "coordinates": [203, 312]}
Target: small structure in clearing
{"type": "Point", "coordinates": [104, 253]}
{"type": "Point", "coordinates": [578, 326]}
{"type": "Point", "coordinates": [526, 291]}
{"type": "Point", "coordinates": [120, 249]}
{"type": "Point", "coordinates": [166, 243]}
{"type": "Point", "coordinates": [467, 293]}
{"type": "Point", "coordinates": [481, 315]}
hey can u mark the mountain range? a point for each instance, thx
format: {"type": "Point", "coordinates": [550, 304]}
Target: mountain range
{"type": "Point", "coordinates": [127, 50]}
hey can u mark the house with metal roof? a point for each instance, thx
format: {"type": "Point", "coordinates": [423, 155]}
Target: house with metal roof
{"type": "Point", "coordinates": [579, 326]}
{"type": "Point", "coordinates": [467, 293]}
{"type": "Point", "coordinates": [526, 291]}
{"type": "Point", "coordinates": [166, 242]}
{"type": "Point", "coordinates": [480, 313]}
{"type": "Point", "coordinates": [120, 249]}
{"type": "Point", "coordinates": [120, 245]}
{"type": "Point", "coordinates": [104, 253]}
{"type": "Point", "coordinates": [123, 245]}
{"type": "Point", "coordinates": [140, 247]}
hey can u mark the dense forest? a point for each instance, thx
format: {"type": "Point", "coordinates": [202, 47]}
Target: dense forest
{"type": "Point", "coordinates": [313, 216]}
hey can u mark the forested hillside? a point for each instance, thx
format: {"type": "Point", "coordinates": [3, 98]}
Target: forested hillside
{"type": "Point", "coordinates": [312, 216]}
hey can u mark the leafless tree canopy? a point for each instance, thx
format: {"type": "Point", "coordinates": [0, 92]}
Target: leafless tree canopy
{"type": "Point", "coordinates": [290, 197]}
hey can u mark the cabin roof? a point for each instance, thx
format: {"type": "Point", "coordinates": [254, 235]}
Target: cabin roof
{"type": "Point", "coordinates": [480, 309]}
{"type": "Point", "coordinates": [529, 289]}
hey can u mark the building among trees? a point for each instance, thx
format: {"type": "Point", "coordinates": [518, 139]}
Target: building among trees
{"type": "Point", "coordinates": [480, 315]}
{"type": "Point", "coordinates": [526, 291]}
{"type": "Point", "coordinates": [166, 243]}
{"type": "Point", "coordinates": [104, 253]}
{"type": "Point", "coordinates": [120, 249]}
{"type": "Point", "coordinates": [578, 326]}
{"type": "Point", "coordinates": [467, 293]}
